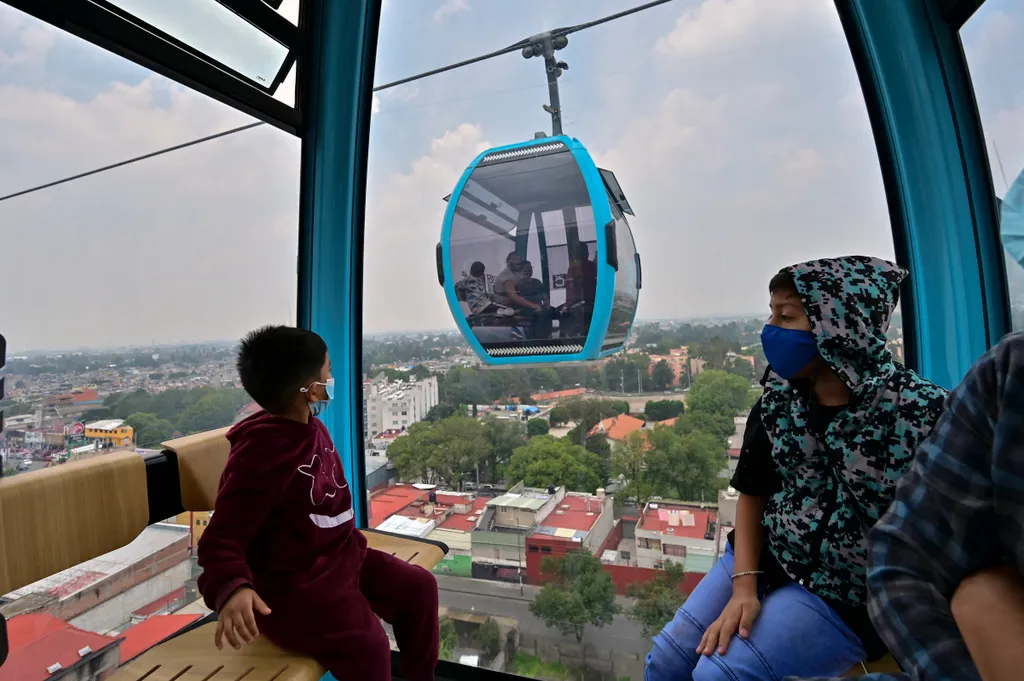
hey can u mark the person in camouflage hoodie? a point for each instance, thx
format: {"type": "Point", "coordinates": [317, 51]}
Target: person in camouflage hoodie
{"type": "Point", "coordinates": [837, 425]}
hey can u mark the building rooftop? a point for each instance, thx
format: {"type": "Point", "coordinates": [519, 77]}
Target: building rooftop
{"type": "Point", "coordinates": [106, 424]}
{"type": "Point", "coordinates": [464, 522]}
{"type": "Point", "coordinates": [558, 394]}
{"type": "Point", "coordinates": [385, 504]}
{"type": "Point", "coordinates": [574, 512]}
{"type": "Point", "coordinates": [410, 527]}
{"type": "Point", "coordinates": [455, 540]}
{"type": "Point", "coordinates": [529, 503]}
{"type": "Point", "coordinates": [676, 520]}
{"type": "Point", "coordinates": [39, 640]}
{"type": "Point", "coordinates": [67, 583]}
{"type": "Point", "coordinates": [149, 632]}
{"type": "Point", "coordinates": [389, 434]}
{"type": "Point", "coordinates": [618, 427]}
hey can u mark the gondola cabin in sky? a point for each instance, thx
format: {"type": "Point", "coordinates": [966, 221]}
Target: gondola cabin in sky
{"type": "Point", "coordinates": [536, 257]}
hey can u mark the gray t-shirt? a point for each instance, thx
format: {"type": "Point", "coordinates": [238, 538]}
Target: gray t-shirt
{"type": "Point", "coordinates": [500, 285]}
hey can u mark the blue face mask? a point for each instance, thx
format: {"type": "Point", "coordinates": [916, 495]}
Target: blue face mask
{"type": "Point", "coordinates": [788, 351]}
{"type": "Point", "coordinates": [318, 407]}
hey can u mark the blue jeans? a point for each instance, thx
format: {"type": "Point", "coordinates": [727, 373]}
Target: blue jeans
{"type": "Point", "coordinates": [796, 634]}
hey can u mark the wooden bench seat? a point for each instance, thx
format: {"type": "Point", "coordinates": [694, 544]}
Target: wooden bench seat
{"type": "Point", "coordinates": [192, 656]}
{"type": "Point", "coordinates": [58, 517]}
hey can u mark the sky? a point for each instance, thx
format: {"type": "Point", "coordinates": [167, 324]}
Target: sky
{"type": "Point", "coordinates": [736, 128]}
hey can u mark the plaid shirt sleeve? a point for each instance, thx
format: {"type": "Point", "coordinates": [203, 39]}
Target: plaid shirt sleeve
{"type": "Point", "coordinates": [937, 532]}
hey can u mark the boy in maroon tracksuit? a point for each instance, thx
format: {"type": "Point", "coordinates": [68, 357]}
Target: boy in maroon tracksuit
{"type": "Point", "coordinates": [281, 555]}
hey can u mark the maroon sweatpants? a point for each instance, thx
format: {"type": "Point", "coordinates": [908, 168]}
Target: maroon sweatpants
{"type": "Point", "coordinates": [337, 624]}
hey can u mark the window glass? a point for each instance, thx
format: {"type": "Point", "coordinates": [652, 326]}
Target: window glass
{"type": "Point", "coordinates": [215, 31]}
{"type": "Point", "coordinates": [125, 295]}
{"type": "Point", "coordinates": [740, 133]}
{"type": "Point", "coordinates": [993, 41]}
{"type": "Point", "coordinates": [515, 286]}
{"type": "Point", "coordinates": [626, 280]}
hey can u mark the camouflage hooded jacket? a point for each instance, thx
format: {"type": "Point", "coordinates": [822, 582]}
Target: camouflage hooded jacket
{"type": "Point", "coordinates": [836, 486]}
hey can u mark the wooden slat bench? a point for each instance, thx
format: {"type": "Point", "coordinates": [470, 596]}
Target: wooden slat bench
{"type": "Point", "coordinates": [58, 517]}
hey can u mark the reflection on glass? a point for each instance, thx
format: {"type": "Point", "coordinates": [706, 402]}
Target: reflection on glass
{"type": "Point", "coordinates": [523, 247]}
{"type": "Point", "coordinates": [992, 42]}
{"type": "Point", "coordinates": [626, 292]}
{"type": "Point", "coordinates": [217, 32]}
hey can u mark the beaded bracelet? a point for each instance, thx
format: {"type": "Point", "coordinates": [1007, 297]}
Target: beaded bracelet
{"type": "Point", "coordinates": [748, 572]}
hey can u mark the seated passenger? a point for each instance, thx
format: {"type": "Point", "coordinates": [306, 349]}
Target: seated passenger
{"type": "Point", "coordinates": [946, 582]}
{"type": "Point", "coordinates": [505, 292]}
{"type": "Point", "coordinates": [281, 556]}
{"type": "Point", "coordinates": [534, 291]}
{"type": "Point", "coordinates": [837, 425]}
{"type": "Point", "coordinates": [473, 289]}
{"type": "Point", "coordinates": [580, 291]}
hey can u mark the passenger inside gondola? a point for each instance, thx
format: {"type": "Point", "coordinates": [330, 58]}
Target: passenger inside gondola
{"type": "Point", "coordinates": [580, 291]}
{"type": "Point", "coordinates": [472, 290]}
{"type": "Point", "coordinates": [506, 292]}
{"type": "Point", "coordinates": [837, 425]}
{"type": "Point", "coordinates": [533, 290]}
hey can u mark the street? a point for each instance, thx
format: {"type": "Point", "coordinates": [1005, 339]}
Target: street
{"type": "Point", "coordinates": [497, 598]}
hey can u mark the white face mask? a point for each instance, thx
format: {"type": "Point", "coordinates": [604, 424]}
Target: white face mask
{"type": "Point", "coordinates": [318, 407]}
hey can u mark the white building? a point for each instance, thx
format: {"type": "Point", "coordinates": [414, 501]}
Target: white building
{"type": "Point", "coordinates": [677, 532]}
{"type": "Point", "coordinates": [398, 405]}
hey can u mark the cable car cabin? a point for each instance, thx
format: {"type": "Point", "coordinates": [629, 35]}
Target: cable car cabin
{"type": "Point", "coordinates": [536, 257]}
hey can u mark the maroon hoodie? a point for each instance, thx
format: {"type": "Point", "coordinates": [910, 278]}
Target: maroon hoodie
{"type": "Point", "coordinates": [283, 516]}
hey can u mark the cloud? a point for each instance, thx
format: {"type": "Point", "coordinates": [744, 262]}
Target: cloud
{"type": "Point", "coordinates": [450, 7]}
{"type": "Point", "coordinates": [763, 159]}
{"type": "Point", "coordinates": [716, 26]}
{"type": "Point", "coordinates": [403, 224]}
{"type": "Point", "coordinates": [199, 244]}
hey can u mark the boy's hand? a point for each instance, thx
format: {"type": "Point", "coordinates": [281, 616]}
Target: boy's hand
{"type": "Point", "coordinates": [236, 621]}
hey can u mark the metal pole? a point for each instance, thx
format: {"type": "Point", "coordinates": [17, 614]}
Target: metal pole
{"type": "Point", "coordinates": [554, 71]}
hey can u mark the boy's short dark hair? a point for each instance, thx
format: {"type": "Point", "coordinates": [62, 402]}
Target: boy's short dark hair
{"type": "Point", "coordinates": [782, 282]}
{"type": "Point", "coordinates": [275, 362]}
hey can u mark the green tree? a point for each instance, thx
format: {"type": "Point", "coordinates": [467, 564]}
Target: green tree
{"type": "Point", "coordinates": [626, 372]}
{"type": "Point", "coordinates": [535, 427]}
{"type": "Point", "coordinates": [215, 410]}
{"type": "Point", "coordinates": [505, 438]}
{"type": "Point", "coordinates": [559, 415]}
{"type": "Point", "coordinates": [598, 444]}
{"type": "Point", "coordinates": [546, 460]}
{"type": "Point", "coordinates": [488, 638]}
{"type": "Point", "coordinates": [740, 367]}
{"type": "Point", "coordinates": [588, 413]}
{"type": "Point", "coordinates": [714, 351]}
{"type": "Point", "coordinates": [150, 429]}
{"type": "Point", "coordinates": [656, 601]}
{"type": "Point", "coordinates": [662, 410]}
{"type": "Point", "coordinates": [441, 411]}
{"type": "Point", "coordinates": [580, 594]}
{"type": "Point", "coordinates": [419, 372]}
{"type": "Point", "coordinates": [719, 392]}
{"type": "Point", "coordinates": [467, 386]}
{"type": "Point", "coordinates": [630, 461]}
{"type": "Point", "coordinates": [662, 375]}
{"type": "Point", "coordinates": [689, 464]}
{"type": "Point", "coordinates": [718, 424]}
{"type": "Point", "coordinates": [440, 453]}
{"type": "Point", "coordinates": [449, 638]}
